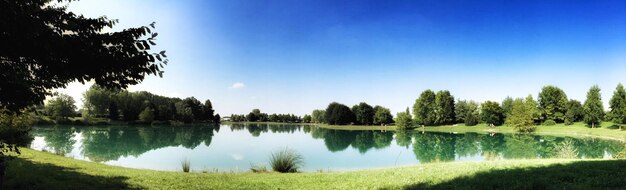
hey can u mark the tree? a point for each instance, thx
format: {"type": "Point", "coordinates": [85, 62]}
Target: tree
{"type": "Point", "coordinates": [460, 108]}
{"type": "Point", "coordinates": [207, 111]}
{"type": "Point", "coordinates": [534, 109]}
{"type": "Point", "coordinates": [147, 115]}
{"type": "Point", "coordinates": [618, 105]}
{"type": "Point", "coordinates": [61, 107]}
{"type": "Point", "coordinates": [491, 113]}
{"type": "Point", "coordinates": [364, 113]}
{"type": "Point", "coordinates": [444, 108]}
{"type": "Point", "coordinates": [45, 46]}
{"type": "Point", "coordinates": [552, 103]}
{"type": "Point", "coordinates": [338, 114]}
{"type": "Point", "coordinates": [96, 100]}
{"type": "Point", "coordinates": [593, 108]}
{"type": "Point", "coordinates": [306, 118]}
{"type": "Point", "coordinates": [318, 116]}
{"type": "Point", "coordinates": [424, 108]}
{"type": "Point", "coordinates": [382, 116]}
{"type": "Point", "coordinates": [472, 116]}
{"type": "Point", "coordinates": [403, 120]}
{"type": "Point", "coordinates": [575, 112]}
{"type": "Point", "coordinates": [507, 106]}
{"type": "Point", "coordinates": [521, 116]}
{"type": "Point", "coordinates": [114, 113]}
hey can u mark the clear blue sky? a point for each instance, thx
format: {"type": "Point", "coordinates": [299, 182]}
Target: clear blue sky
{"type": "Point", "coordinates": [296, 56]}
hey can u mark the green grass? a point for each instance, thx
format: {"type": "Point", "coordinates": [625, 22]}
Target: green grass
{"type": "Point", "coordinates": [39, 170]}
{"type": "Point", "coordinates": [576, 130]}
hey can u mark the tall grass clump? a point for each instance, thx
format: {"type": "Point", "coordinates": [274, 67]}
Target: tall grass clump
{"type": "Point", "coordinates": [186, 165]}
{"type": "Point", "coordinates": [286, 161]}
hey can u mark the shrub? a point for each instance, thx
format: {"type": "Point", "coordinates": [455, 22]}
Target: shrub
{"type": "Point", "coordinates": [286, 161]}
{"type": "Point", "coordinates": [568, 122]}
{"type": "Point", "coordinates": [404, 121]}
{"type": "Point", "coordinates": [549, 122]}
{"type": "Point", "coordinates": [186, 165]}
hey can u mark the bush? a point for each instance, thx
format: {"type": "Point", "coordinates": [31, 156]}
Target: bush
{"type": "Point", "coordinates": [568, 122]}
{"type": "Point", "coordinates": [258, 168]}
{"type": "Point", "coordinates": [549, 122]}
{"type": "Point", "coordinates": [404, 121]}
{"type": "Point", "coordinates": [286, 161]}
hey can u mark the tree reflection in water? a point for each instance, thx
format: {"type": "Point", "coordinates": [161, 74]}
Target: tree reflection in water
{"type": "Point", "coordinates": [110, 143]}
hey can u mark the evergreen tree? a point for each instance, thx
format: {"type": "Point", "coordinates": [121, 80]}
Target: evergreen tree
{"type": "Point", "coordinates": [521, 116]}
{"type": "Point", "coordinates": [594, 110]}
{"type": "Point", "coordinates": [618, 105]}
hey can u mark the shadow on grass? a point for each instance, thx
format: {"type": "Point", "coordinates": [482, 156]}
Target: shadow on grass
{"type": "Point", "coordinates": [609, 174]}
{"type": "Point", "coordinates": [25, 174]}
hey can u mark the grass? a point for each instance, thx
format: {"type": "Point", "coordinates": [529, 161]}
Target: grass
{"type": "Point", "coordinates": [39, 170]}
{"type": "Point", "coordinates": [286, 161]}
{"type": "Point", "coordinates": [186, 165]}
{"type": "Point", "coordinates": [606, 131]}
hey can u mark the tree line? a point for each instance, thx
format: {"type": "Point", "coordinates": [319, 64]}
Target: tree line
{"type": "Point", "coordinates": [145, 107]}
{"type": "Point", "coordinates": [256, 116]}
{"type": "Point", "coordinates": [440, 108]}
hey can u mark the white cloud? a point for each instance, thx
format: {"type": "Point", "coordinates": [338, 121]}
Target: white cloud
{"type": "Point", "coordinates": [236, 156]}
{"type": "Point", "coordinates": [237, 85]}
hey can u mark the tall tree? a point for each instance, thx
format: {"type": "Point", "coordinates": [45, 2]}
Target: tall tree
{"type": "Point", "coordinates": [491, 113]}
{"type": "Point", "coordinates": [382, 116]}
{"type": "Point", "coordinates": [594, 110]}
{"type": "Point", "coordinates": [618, 105]}
{"type": "Point", "coordinates": [575, 112]}
{"type": "Point", "coordinates": [424, 108]}
{"type": "Point", "coordinates": [45, 46]}
{"type": "Point", "coordinates": [472, 116]}
{"type": "Point", "coordinates": [61, 107]}
{"type": "Point", "coordinates": [318, 116]}
{"type": "Point", "coordinates": [444, 108]}
{"type": "Point", "coordinates": [507, 105]}
{"type": "Point", "coordinates": [460, 108]}
{"type": "Point", "coordinates": [338, 114]}
{"type": "Point", "coordinates": [207, 110]}
{"type": "Point", "coordinates": [364, 113]}
{"type": "Point", "coordinates": [403, 120]}
{"type": "Point", "coordinates": [553, 103]}
{"type": "Point", "coordinates": [534, 109]}
{"type": "Point", "coordinates": [521, 116]}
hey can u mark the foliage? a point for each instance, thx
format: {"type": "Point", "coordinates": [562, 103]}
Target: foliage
{"type": "Point", "coordinates": [553, 103]}
{"type": "Point", "coordinates": [147, 115]}
{"type": "Point", "coordinates": [444, 108]}
{"type": "Point", "coordinates": [424, 108]}
{"type": "Point", "coordinates": [575, 112]}
{"type": "Point", "coordinates": [593, 108]}
{"type": "Point", "coordinates": [60, 107]}
{"type": "Point", "coordinates": [338, 114]}
{"type": "Point", "coordinates": [621, 154]}
{"type": "Point", "coordinates": [14, 130]}
{"type": "Point", "coordinates": [618, 105]}
{"type": "Point", "coordinates": [467, 112]}
{"type": "Point", "coordinates": [318, 116]}
{"type": "Point", "coordinates": [507, 106]}
{"type": "Point", "coordinates": [382, 116]}
{"type": "Point", "coordinates": [258, 168]}
{"type": "Point", "coordinates": [403, 120]}
{"type": "Point", "coordinates": [286, 161]}
{"type": "Point", "coordinates": [521, 116]}
{"type": "Point", "coordinates": [364, 113]}
{"type": "Point", "coordinates": [549, 122]}
{"type": "Point", "coordinates": [306, 118]}
{"type": "Point", "coordinates": [491, 113]}
{"type": "Point", "coordinates": [533, 106]}
{"type": "Point", "coordinates": [113, 110]}
{"type": "Point", "coordinates": [44, 46]}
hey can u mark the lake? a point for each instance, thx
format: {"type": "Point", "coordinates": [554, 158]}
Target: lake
{"type": "Point", "coordinates": [235, 147]}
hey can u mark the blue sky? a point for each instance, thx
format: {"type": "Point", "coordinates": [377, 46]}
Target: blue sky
{"type": "Point", "coordinates": [296, 56]}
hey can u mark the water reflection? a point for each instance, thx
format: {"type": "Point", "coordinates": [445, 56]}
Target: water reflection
{"type": "Point", "coordinates": [111, 143]}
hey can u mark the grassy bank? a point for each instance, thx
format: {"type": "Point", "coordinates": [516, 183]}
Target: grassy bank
{"type": "Point", "coordinates": [576, 130]}
{"type": "Point", "coordinates": [39, 170]}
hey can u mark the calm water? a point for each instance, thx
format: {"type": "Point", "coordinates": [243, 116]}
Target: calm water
{"type": "Point", "coordinates": [236, 147]}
